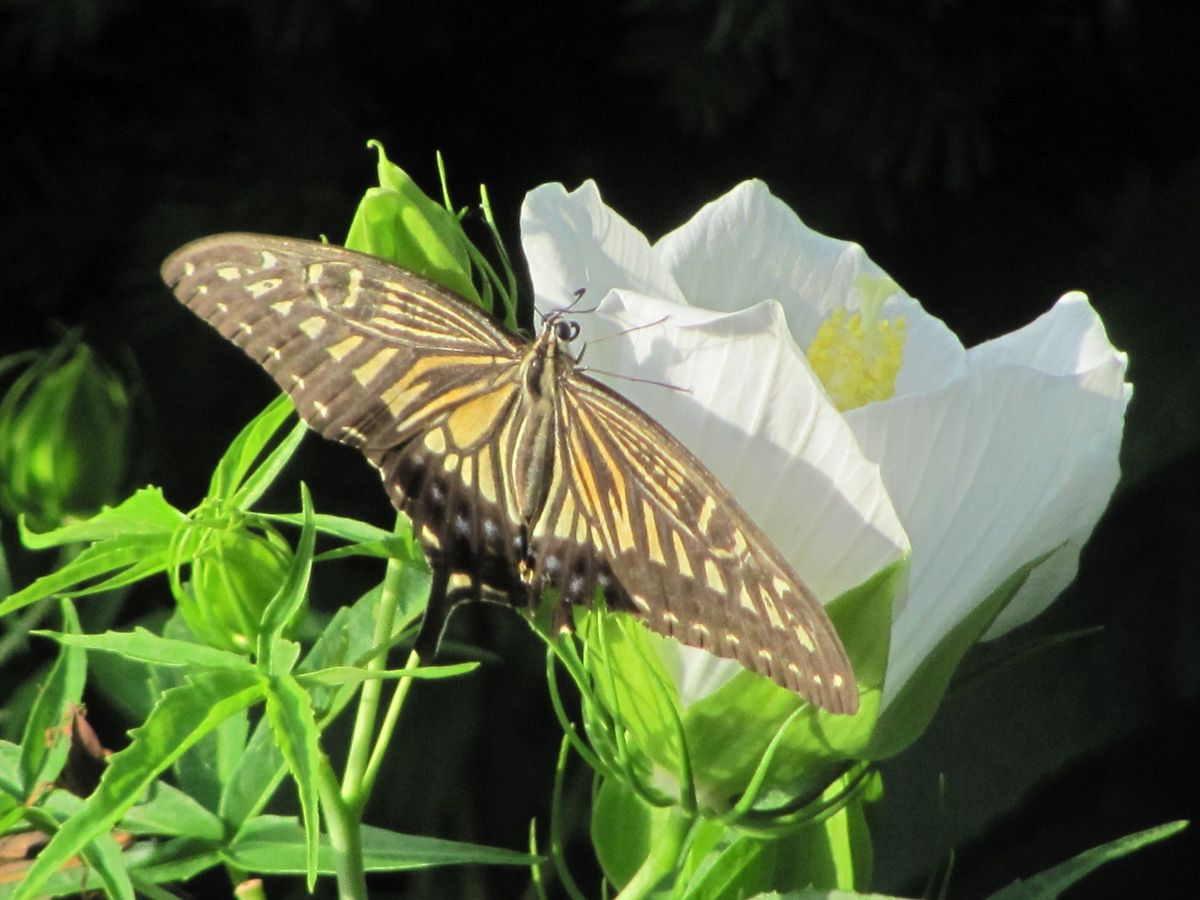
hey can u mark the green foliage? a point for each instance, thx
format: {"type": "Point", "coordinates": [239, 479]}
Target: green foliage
{"type": "Point", "coordinates": [202, 687]}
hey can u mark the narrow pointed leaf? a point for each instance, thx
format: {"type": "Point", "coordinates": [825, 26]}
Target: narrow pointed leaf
{"type": "Point", "coordinates": [1052, 882]}
{"type": "Point", "coordinates": [276, 846]}
{"type": "Point", "coordinates": [250, 443]}
{"type": "Point", "coordinates": [144, 553]}
{"type": "Point", "coordinates": [45, 743]}
{"type": "Point", "coordinates": [145, 646]}
{"type": "Point", "coordinates": [297, 736]}
{"type": "Point", "coordinates": [146, 512]}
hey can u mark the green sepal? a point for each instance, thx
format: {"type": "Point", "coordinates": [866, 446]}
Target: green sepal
{"type": "Point", "coordinates": [911, 710]}
{"type": "Point", "coordinates": [397, 221]}
{"type": "Point", "coordinates": [721, 740]}
{"type": "Point", "coordinates": [708, 860]}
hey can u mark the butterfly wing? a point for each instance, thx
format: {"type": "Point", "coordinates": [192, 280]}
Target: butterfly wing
{"type": "Point", "coordinates": [632, 510]}
{"type": "Point", "coordinates": [384, 360]}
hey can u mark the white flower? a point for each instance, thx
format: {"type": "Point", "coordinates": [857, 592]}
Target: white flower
{"type": "Point", "coordinates": [985, 460]}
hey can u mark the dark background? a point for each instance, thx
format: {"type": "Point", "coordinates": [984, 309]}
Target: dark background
{"type": "Point", "coordinates": [989, 155]}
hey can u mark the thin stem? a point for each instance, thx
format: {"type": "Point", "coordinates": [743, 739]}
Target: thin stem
{"type": "Point", "coordinates": [663, 861]}
{"type": "Point", "coordinates": [388, 727]}
{"type": "Point", "coordinates": [354, 789]}
{"type": "Point", "coordinates": [557, 851]}
{"type": "Point", "coordinates": [345, 836]}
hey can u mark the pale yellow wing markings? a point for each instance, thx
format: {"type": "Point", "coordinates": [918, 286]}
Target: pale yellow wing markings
{"type": "Point", "coordinates": [734, 594]}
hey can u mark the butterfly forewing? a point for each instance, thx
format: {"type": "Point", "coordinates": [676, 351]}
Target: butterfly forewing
{"type": "Point", "coordinates": [379, 358]}
{"type": "Point", "coordinates": [516, 479]}
{"type": "Point", "coordinates": [366, 350]}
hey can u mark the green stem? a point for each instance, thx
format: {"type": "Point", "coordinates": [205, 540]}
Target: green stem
{"type": "Point", "coordinates": [389, 725]}
{"type": "Point", "coordinates": [355, 789]}
{"type": "Point", "coordinates": [345, 836]}
{"type": "Point", "coordinates": [667, 846]}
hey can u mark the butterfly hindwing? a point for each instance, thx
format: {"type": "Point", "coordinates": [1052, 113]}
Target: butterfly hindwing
{"type": "Point", "coordinates": [679, 552]}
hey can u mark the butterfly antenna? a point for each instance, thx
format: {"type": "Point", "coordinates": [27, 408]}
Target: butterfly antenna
{"type": "Point", "coordinates": [616, 334]}
{"type": "Point", "coordinates": [634, 378]}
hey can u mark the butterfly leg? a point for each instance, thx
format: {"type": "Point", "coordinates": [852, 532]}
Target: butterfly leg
{"type": "Point", "coordinates": [443, 598]}
{"type": "Point", "coordinates": [437, 612]}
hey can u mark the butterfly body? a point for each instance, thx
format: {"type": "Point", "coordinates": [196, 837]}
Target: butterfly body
{"type": "Point", "coordinates": [519, 471]}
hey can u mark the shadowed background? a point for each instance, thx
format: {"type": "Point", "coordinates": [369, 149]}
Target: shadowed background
{"type": "Point", "coordinates": [989, 156]}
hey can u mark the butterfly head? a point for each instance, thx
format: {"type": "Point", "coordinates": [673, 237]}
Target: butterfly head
{"type": "Point", "coordinates": [550, 356]}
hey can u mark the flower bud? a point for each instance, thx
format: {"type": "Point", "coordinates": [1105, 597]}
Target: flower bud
{"type": "Point", "coordinates": [234, 577]}
{"type": "Point", "coordinates": [64, 434]}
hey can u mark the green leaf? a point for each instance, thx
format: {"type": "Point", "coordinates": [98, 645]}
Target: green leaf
{"type": "Point", "coordinates": [262, 477]}
{"type": "Point", "coordinates": [181, 718]}
{"type": "Point", "coordinates": [249, 444]}
{"type": "Point", "coordinates": [10, 770]}
{"type": "Point", "coordinates": [178, 859]}
{"type": "Point", "coordinates": [45, 745]}
{"type": "Point", "coordinates": [1052, 882]}
{"type": "Point", "coordinates": [276, 846]}
{"type": "Point", "coordinates": [146, 512]}
{"type": "Point", "coordinates": [298, 738]}
{"type": "Point", "coordinates": [169, 811]}
{"type": "Point", "coordinates": [283, 607]}
{"type": "Point", "coordinates": [355, 675]}
{"type": "Point", "coordinates": [346, 639]}
{"type": "Point", "coordinates": [145, 646]}
{"type": "Point", "coordinates": [910, 711]}
{"type": "Point", "coordinates": [349, 530]}
{"type": "Point", "coordinates": [103, 856]}
{"type": "Point", "coordinates": [132, 557]}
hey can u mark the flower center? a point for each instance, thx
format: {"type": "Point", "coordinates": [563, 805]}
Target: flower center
{"type": "Point", "coordinates": [858, 356]}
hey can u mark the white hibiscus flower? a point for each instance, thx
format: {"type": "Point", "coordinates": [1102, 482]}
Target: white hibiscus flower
{"type": "Point", "coordinates": [851, 424]}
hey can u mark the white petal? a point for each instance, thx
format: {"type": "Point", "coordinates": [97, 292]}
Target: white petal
{"type": "Point", "coordinates": [988, 474]}
{"type": "Point", "coordinates": [1066, 340]}
{"type": "Point", "coordinates": [749, 246]}
{"type": "Point", "coordinates": [573, 241]}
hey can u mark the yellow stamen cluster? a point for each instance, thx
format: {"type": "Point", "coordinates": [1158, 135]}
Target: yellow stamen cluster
{"type": "Point", "coordinates": [858, 356]}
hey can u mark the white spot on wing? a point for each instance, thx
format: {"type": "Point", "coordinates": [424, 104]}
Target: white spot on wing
{"type": "Point", "coordinates": [313, 326]}
{"type": "Point", "coordinates": [264, 286]}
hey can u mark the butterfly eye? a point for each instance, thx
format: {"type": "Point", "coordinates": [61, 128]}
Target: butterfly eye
{"type": "Point", "coordinates": [567, 330]}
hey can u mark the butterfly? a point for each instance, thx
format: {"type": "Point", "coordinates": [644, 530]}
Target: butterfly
{"type": "Point", "coordinates": [519, 471]}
